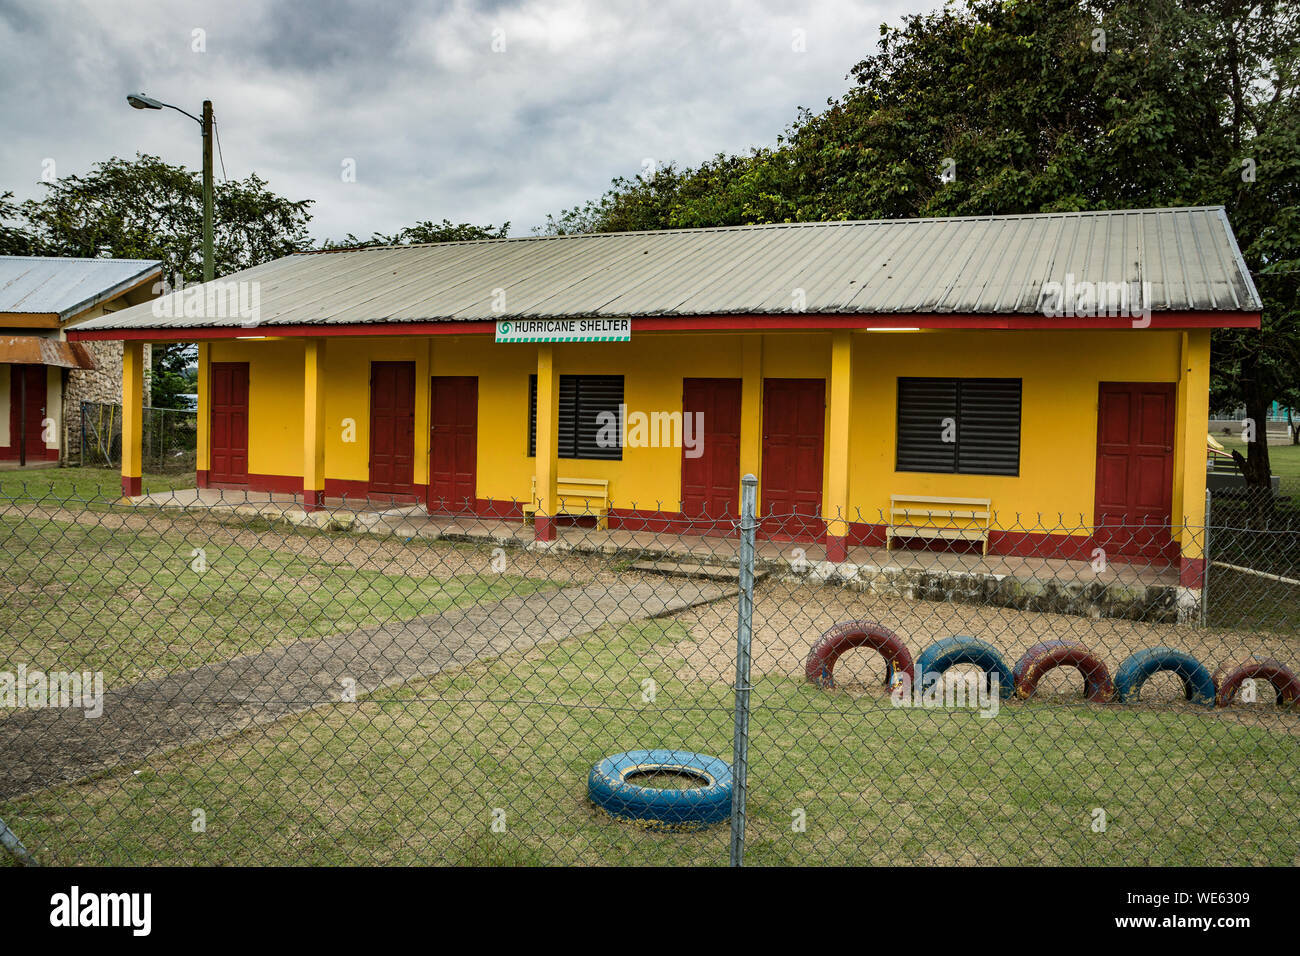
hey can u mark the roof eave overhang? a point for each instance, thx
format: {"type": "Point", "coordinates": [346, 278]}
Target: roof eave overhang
{"type": "Point", "coordinates": [714, 323]}
{"type": "Point", "coordinates": [125, 287]}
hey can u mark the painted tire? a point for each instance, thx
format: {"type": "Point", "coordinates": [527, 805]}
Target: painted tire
{"type": "Point", "coordinates": [694, 808]}
{"type": "Point", "coordinates": [1198, 685]}
{"type": "Point", "coordinates": [1041, 658]}
{"type": "Point", "coordinates": [950, 651]}
{"type": "Point", "coordinates": [820, 666]}
{"type": "Point", "coordinates": [1228, 678]}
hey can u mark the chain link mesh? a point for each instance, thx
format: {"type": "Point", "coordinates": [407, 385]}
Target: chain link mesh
{"type": "Point", "coordinates": [207, 677]}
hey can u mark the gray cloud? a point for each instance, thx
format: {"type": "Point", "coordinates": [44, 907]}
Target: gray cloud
{"type": "Point", "coordinates": [438, 124]}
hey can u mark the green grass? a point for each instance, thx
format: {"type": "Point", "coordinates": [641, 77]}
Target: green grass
{"type": "Point", "coordinates": [100, 486]}
{"type": "Point", "coordinates": [131, 603]}
{"type": "Point", "coordinates": [1249, 601]}
{"type": "Point", "coordinates": [1284, 460]}
{"type": "Point", "coordinates": [415, 776]}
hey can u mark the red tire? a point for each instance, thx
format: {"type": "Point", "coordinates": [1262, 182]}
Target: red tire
{"type": "Point", "coordinates": [1041, 658]}
{"type": "Point", "coordinates": [1228, 679]}
{"type": "Point", "coordinates": [820, 666]}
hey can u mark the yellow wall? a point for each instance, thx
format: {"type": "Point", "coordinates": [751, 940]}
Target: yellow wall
{"type": "Point", "coordinates": [274, 401]}
{"type": "Point", "coordinates": [1060, 372]}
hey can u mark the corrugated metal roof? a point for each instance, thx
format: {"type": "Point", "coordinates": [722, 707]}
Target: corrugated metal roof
{"type": "Point", "coordinates": [66, 286]}
{"type": "Point", "coordinates": [991, 264]}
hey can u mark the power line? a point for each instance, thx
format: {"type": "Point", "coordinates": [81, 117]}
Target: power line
{"type": "Point", "coordinates": [217, 132]}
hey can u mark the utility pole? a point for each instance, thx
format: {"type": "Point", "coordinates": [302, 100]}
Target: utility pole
{"type": "Point", "coordinates": [208, 268]}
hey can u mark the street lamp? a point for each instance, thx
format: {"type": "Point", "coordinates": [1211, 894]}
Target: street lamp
{"type": "Point", "coordinates": [141, 102]}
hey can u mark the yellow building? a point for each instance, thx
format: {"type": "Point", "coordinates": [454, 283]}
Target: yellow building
{"type": "Point", "coordinates": [1042, 381]}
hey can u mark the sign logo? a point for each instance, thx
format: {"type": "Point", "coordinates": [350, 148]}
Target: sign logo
{"type": "Point", "coordinates": [565, 330]}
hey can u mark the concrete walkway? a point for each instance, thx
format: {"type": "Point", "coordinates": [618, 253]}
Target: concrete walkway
{"type": "Point", "coordinates": [413, 521]}
{"type": "Point", "coordinates": [44, 748]}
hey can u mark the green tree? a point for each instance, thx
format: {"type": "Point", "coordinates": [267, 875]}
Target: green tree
{"type": "Point", "coordinates": [422, 232]}
{"type": "Point", "coordinates": [1015, 106]}
{"type": "Point", "coordinates": [14, 240]}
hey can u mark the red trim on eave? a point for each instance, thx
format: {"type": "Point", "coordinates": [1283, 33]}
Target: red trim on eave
{"type": "Point", "coordinates": [714, 323]}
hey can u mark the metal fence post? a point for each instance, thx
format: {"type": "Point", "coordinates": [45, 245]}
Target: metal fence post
{"type": "Point", "coordinates": [9, 840]}
{"type": "Point", "coordinates": [1205, 562]}
{"type": "Point", "coordinates": [744, 634]}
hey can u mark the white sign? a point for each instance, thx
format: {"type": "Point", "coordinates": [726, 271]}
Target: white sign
{"type": "Point", "coordinates": [564, 330]}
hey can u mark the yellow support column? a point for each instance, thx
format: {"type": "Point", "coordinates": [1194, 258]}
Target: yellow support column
{"type": "Point", "coordinates": [751, 407]}
{"type": "Point", "coordinates": [837, 478]}
{"type": "Point", "coordinates": [313, 425]}
{"type": "Point", "coordinates": [548, 416]}
{"type": "Point", "coordinates": [203, 456]}
{"type": "Point", "coordinates": [1194, 383]}
{"type": "Point", "coordinates": [423, 409]}
{"type": "Point", "coordinates": [132, 416]}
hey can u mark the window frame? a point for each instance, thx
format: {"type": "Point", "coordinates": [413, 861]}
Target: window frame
{"type": "Point", "coordinates": [964, 391]}
{"type": "Point", "coordinates": [572, 446]}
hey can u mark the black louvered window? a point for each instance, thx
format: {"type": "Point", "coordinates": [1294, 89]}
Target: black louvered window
{"type": "Point", "coordinates": [582, 400]}
{"type": "Point", "coordinates": [959, 425]}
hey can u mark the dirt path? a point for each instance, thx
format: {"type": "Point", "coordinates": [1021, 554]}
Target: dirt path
{"type": "Point", "coordinates": [43, 748]}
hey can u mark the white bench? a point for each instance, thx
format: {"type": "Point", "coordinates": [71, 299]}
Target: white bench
{"type": "Point", "coordinates": [579, 498]}
{"type": "Point", "coordinates": [952, 519]}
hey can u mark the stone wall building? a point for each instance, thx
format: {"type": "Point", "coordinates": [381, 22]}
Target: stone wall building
{"type": "Point", "coordinates": [44, 378]}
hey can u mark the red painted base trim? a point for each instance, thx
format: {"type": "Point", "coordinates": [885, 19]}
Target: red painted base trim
{"type": "Point", "coordinates": [131, 486]}
{"type": "Point", "coordinates": [1020, 544]}
{"type": "Point", "coordinates": [201, 478]}
{"type": "Point", "coordinates": [543, 528]}
{"type": "Point", "coordinates": [313, 500]}
{"type": "Point", "coordinates": [353, 489]}
{"type": "Point", "coordinates": [1191, 572]}
{"type": "Point", "coordinates": [271, 484]}
{"type": "Point", "coordinates": [670, 522]}
{"type": "Point", "coordinates": [496, 508]}
{"type": "Point", "coordinates": [837, 548]}
{"type": "Point", "coordinates": [10, 453]}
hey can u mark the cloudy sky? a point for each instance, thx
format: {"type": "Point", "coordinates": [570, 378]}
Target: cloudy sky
{"type": "Point", "coordinates": [473, 111]}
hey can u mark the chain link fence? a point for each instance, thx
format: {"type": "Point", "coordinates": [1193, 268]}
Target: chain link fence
{"type": "Point", "coordinates": [211, 677]}
{"type": "Point", "coordinates": [169, 442]}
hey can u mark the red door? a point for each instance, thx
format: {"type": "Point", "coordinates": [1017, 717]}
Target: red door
{"type": "Point", "coordinates": [794, 416]}
{"type": "Point", "coordinates": [392, 427]}
{"type": "Point", "coordinates": [27, 412]}
{"type": "Point", "coordinates": [453, 444]}
{"type": "Point", "coordinates": [1135, 466]}
{"type": "Point", "coordinates": [711, 469]}
{"type": "Point", "coordinates": [228, 436]}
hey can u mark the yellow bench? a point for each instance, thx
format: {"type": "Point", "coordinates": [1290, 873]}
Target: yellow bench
{"type": "Point", "coordinates": [579, 498]}
{"type": "Point", "coordinates": [952, 519]}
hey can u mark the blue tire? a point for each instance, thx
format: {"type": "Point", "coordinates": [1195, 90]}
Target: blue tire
{"type": "Point", "coordinates": [950, 651]}
{"type": "Point", "coordinates": [1198, 683]}
{"type": "Point", "coordinates": [609, 789]}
